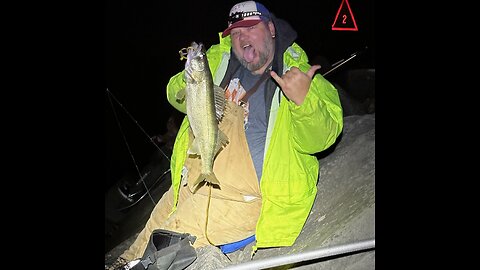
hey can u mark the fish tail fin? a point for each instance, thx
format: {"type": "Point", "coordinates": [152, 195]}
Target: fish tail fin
{"type": "Point", "coordinates": [207, 177]}
{"type": "Point", "coordinates": [212, 178]}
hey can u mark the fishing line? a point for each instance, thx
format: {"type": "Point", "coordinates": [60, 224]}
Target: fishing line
{"type": "Point", "coordinates": [148, 191]}
{"type": "Point", "coordinates": [139, 126]}
{"type": "Point", "coordinates": [110, 94]}
{"type": "Point", "coordinates": [208, 210]}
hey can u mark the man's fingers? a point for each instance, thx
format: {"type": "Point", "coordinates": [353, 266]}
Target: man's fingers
{"type": "Point", "coordinates": [309, 73]}
{"type": "Point", "coordinates": [312, 70]}
{"type": "Point", "coordinates": [276, 78]}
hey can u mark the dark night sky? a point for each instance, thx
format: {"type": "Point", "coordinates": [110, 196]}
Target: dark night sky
{"type": "Point", "coordinates": [142, 40]}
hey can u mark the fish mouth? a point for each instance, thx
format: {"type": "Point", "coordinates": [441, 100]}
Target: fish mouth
{"type": "Point", "coordinates": [195, 50]}
{"type": "Point", "coordinates": [194, 54]}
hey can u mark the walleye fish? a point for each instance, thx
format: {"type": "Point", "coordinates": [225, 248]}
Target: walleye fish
{"type": "Point", "coordinates": [205, 103]}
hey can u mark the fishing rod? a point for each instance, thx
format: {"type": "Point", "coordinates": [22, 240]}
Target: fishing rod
{"type": "Point", "coordinates": [110, 94]}
{"type": "Point", "coordinates": [343, 61]}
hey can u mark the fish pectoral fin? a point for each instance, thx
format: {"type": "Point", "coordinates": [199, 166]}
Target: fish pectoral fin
{"type": "Point", "coordinates": [193, 150]}
{"type": "Point", "coordinates": [180, 95]}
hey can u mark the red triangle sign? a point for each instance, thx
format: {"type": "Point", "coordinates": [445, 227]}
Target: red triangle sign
{"type": "Point", "coordinates": [344, 19]}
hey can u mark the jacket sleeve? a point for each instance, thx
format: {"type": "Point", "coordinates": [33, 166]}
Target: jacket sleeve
{"type": "Point", "coordinates": [318, 121]}
{"type": "Point", "coordinates": [175, 84]}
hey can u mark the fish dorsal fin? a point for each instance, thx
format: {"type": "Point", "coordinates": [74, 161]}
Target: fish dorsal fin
{"type": "Point", "coordinates": [220, 102]}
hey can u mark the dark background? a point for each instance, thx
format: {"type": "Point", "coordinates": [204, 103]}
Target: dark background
{"type": "Point", "coordinates": [142, 40]}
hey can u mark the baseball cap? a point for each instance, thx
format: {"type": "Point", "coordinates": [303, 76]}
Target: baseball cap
{"type": "Point", "coordinates": [246, 14]}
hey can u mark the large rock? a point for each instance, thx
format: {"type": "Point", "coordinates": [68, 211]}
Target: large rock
{"type": "Point", "coordinates": [343, 212]}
